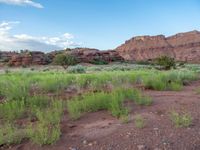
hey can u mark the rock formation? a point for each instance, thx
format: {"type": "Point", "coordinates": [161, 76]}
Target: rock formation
{"type": "Point", "coordinates": [182, 47]}
{"type": "Point", "coordinates": [87, 55]}
{"type": "Point", "coordinates": [28, 58]}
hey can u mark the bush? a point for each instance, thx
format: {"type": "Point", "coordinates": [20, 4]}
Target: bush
{"type": "Point", "coordinates": [165, 62]}
{"type": "Point", "coordinates": [64, 60]}
{"type": "Point", "coordinates": [99, 62]}
{"type": "Point", "coordinates": [77, 69]}
{"type": "Point", "coordinates": [184, 120]}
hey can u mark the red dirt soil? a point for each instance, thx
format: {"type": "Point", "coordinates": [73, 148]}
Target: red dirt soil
{"type": "Point", "coordinates": [101, 131]}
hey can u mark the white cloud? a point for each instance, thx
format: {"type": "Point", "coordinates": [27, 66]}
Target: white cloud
{"type": "Point", "coordinates": [11, 42]}
{"type": "Point", "coordinates": [22, 3]}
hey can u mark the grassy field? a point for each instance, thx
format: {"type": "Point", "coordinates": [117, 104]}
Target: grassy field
{"type": "Point", "coordinates": [24, 96]}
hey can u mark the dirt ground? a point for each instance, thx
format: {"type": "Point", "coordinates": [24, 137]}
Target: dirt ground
{"type": "Point", "coordinates": [101, 131]}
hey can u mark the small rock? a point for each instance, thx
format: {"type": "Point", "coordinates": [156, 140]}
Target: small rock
{"type": "Point", "coordinates": [156, 129]}
{"type": "Point", "coordinates": [90, 144]}
{"type": "Point", "coordinates": [95, 142]}
{"type": "Point", "coordinates": [141, 147]}
{"type": "Point", "coordinates": [72, 148]}
{"type": "Point", "coordinates": [157, 149]}
{"type": "Point", "coordinates": [85, 142]}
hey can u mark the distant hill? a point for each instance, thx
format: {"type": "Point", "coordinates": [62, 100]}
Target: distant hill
{"type": "Point", "coordinates": [182, 47]}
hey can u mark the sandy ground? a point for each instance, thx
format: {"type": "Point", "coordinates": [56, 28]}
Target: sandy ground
{"type": "Point", "coordinates": [101, 131]}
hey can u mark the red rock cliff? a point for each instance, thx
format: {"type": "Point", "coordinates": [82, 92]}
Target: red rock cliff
{"type": "Point", "coordinates": [182, 46]}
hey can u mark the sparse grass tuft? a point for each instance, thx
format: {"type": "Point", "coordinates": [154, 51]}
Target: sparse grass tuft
{"type": "Point", "coordinates": [139, 121]}
{"type": "Point", "coordinates": [184, 120]}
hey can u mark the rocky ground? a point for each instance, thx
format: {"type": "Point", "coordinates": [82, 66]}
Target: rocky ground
{"type": "Point", "coordinates": [101, 131]}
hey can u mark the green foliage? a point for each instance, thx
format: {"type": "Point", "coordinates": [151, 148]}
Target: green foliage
{"type": "Point", "coordinates": [10, 134]}
{"type": "Point", "coordinates": [44, 134]}
{"type": "Point", "coordinates": [52, 114]}
{"type": "Point", "coordinates": [14, 89]}
{"type": "Point", "coordinates": [139, 121]}
{"type": "Point", "coordinates": [184, 120]}
{"type": "Point", "coordinates": [47, 130]}
{"type": "Point", "coordinates": [99, 62]}
{"type": "Point", "coordinates": [12, 110]}
{"type": "Point", "coordinates": [165, 62]}
{"type": "Point", "coordinates": [105, 101]}
{"type": "Point", "coordinates": [76, 69]}
{"type": "Point", "coordinates": [64, 60]}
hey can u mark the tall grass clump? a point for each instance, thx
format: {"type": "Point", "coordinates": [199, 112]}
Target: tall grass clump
{"type": "Point", "coordinates": [14, 88]}
{"type": "Point", "coordinates": [11, 110]}
{"type": "Point", "coordinates": [44, 134]}
{"type": "Point", "coordinates": [113, 101]}
{"type": "Point", "coordinates": [47, 130]}
{"type": "Point", "coordinates": [56, 82]}
{"type": "Point", "coordinates": [10, 134]}
{"type": "Point", "coordinates": [169, 80]}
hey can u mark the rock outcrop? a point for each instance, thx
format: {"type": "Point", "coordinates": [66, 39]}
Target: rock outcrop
{"type": "Point", "coordinates": [87, 55]}
{"type": "Point", "coordinates": [28, 58]}
{"type": "Point", "coordinates": [182, 47]}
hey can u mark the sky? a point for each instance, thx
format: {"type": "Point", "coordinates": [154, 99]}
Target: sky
{"type": "Point", "coordinates": [48, 25]}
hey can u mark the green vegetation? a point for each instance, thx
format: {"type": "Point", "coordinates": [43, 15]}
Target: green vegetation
{"type": "Point", "coordinates": [76, 69]}
{"type": "Point", "coordinates": [36, 96]}
{"type": "Point", "coordinates": [10, 134]}
{"type": "Point", "coordinates": [64, 60]}
{"type": "Point", "coordinates": [139, 121]}
{"type": "Point", "coordinates": [99, 62]}
{"type": "Point", "coordinates": [181, 120]}
{"type": "Point", "coordinates": [165, 62]}
{"type": "Point", "coordinates": [47, 130]}
{"type": "Point", "coordinates": [113, 101]}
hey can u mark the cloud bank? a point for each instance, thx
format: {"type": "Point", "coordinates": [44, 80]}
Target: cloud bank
{"type": "Point", "coordinates": [22, 3]}
{"type": "Point", "coordinates": [9, 42]}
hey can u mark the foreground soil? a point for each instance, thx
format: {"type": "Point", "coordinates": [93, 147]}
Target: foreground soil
{"type": "Point", "coordinates": [100, 131]}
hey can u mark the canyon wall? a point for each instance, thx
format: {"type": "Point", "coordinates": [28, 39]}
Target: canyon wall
{"type": "Point", "coordinates": [182, 47]}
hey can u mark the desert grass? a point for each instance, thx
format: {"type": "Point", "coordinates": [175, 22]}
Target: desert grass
{"type": "Point", "coordinates": [181, 120]}
{"type": "Point", "coordinates": [113, 102]}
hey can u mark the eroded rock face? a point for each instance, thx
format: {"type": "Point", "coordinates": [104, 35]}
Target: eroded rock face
{"type": "Point", "coordinates": [182, 47]}
{"type": "Point", "coordinates": [26, 59]}
{"type": "Point", "coordinates": [87, 55]}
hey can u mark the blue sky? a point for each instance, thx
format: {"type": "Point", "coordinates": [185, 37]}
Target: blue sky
{"type": "Point", "coordinates": [103, 24]}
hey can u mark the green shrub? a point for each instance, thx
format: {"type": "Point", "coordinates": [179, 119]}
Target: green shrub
{"type": "Point", "coordinates": [184, 120]}
{"type": "Point", "coordinates": [99, 62]}
{"type": "Point", "coordinates": [76, 69]}
{"type": "Point", "coordinates": [165, 62]}
{"type": "Point", "coordinates": [64, 60]}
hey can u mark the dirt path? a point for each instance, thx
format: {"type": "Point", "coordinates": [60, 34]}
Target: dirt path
{"type": "Point", "coordinates": [100, 131]}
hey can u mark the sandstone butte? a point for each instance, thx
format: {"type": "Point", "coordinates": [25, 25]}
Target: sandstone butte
{"type": "Point", "coordinates": [182, 47]}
